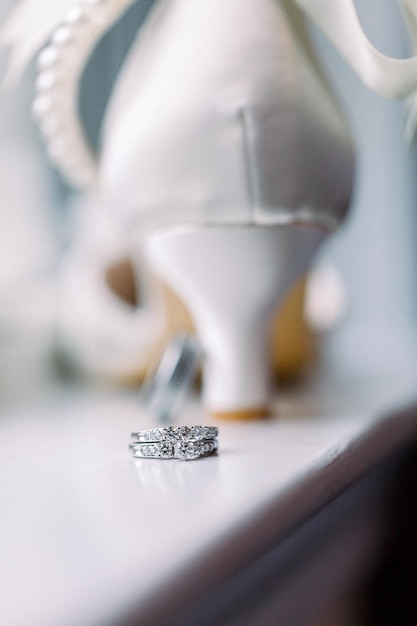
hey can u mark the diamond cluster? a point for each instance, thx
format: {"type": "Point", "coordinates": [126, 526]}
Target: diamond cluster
{"type": "Point", "coordinates": [183, 450]}
{"type": "Point", "coordinates": [173, 434]}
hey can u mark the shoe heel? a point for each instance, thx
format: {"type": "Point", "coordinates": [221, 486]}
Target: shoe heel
{"type": "Point", "coordinates": [232, 278]}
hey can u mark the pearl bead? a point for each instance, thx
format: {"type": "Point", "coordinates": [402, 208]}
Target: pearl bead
{"type": "Point", "coordinates": [46, 80]}
{"type": "Point", "coordinates": [47, 57]}
{"type": "Point", "coordinates": [49, 126]}
{"type": "Point", "coordinates": [63, 35]}
{"type": "Point", "coordinates": [41, 105]}
{"type": "Point", "coordinates": [75, 15]}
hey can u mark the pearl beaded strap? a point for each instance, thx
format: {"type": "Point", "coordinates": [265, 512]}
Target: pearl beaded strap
{"type": "Point", "coordinates": [60, 65]}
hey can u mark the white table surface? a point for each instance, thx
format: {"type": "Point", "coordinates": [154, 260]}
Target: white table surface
{"type": "Point", "coordinates": [88, 535]}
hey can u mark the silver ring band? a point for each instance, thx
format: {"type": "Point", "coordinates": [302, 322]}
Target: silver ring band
{"type": "Point", "coordinates": [183, 450]}
{"type": "Point", "coordinates": [175, 434]}
{"type": "Point", "coordinates": [165, 390]}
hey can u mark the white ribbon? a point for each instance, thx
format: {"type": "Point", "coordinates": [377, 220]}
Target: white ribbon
{"type": "Point", "coordinates": [410, 16]}
{"type": "Point", "coordinates": [387, 76]}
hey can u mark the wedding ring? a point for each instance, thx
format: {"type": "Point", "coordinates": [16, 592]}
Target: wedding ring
{"type": "Point", "coordinates": [165, 391]}
{"type": "Point", "coordinates": [183, 450]}
{"type": "Point", "coordinates": [174, 434]}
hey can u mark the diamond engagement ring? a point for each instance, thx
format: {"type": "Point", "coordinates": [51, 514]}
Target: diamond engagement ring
{"type": "Point", "coordinates": [183, 450]}
{"type": "Point", "coordinates": [176, 434]}
{"type": "Point", "coordinates": [174, 442]}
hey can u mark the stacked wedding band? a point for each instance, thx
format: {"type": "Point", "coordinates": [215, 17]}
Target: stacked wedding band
{"type": "Point", "coordinates": [175, 442]}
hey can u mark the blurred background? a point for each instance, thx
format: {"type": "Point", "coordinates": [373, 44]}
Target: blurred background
{"type": "Point", "coordinates": [371, 296]}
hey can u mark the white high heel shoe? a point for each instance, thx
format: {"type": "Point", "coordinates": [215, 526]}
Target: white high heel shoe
{"type": "Point", "coordinates": [113, 323]}
{"type": "Point", "coordinates": [225, 152]}
{"type": "Point", "coordinates": [232, 279]}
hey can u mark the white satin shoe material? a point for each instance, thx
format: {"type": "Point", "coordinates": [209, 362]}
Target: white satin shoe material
{"type": "Point", "coordinates": [222, 116]}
